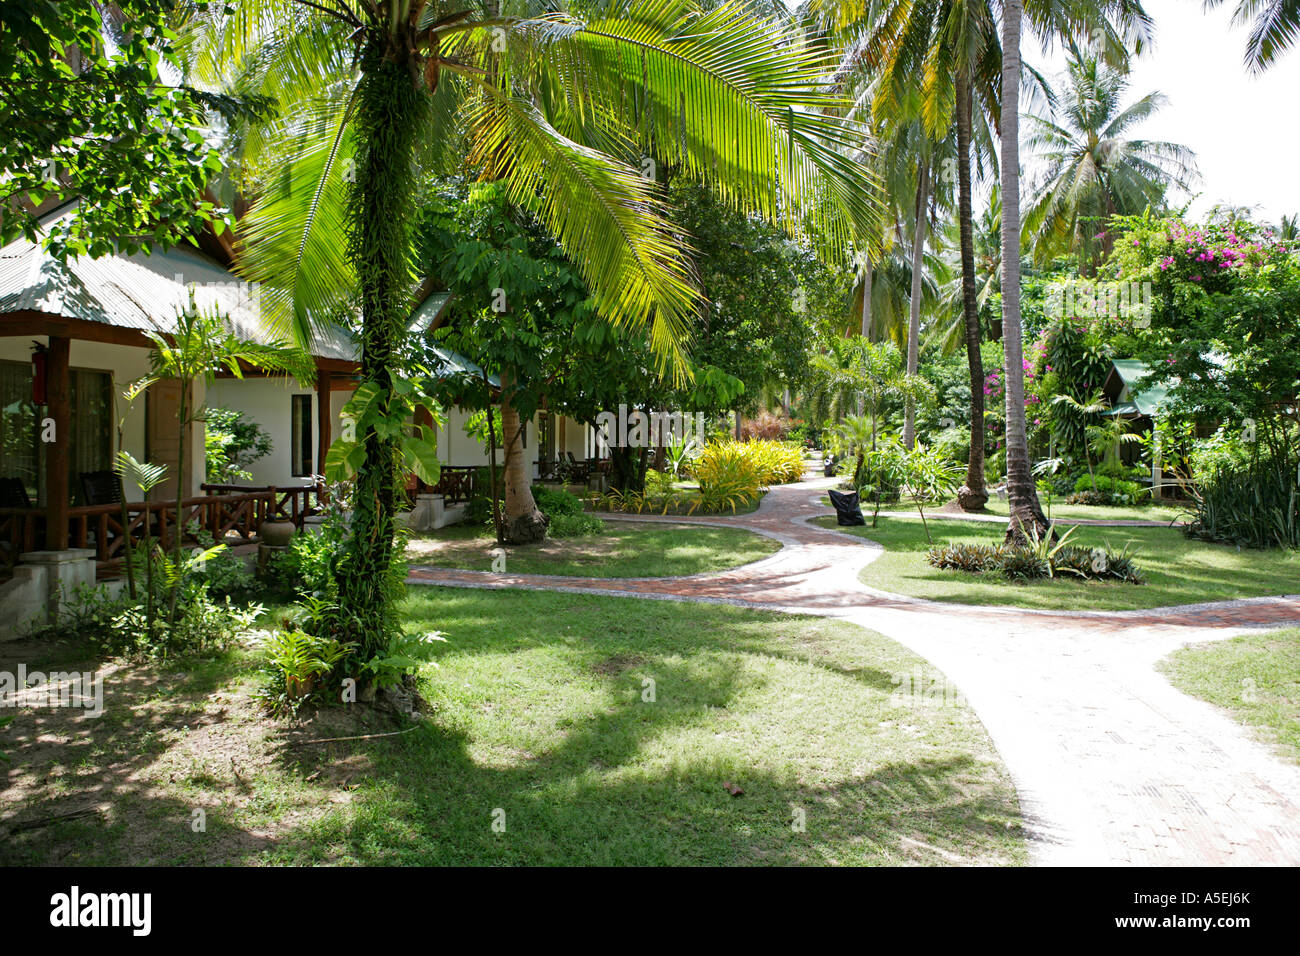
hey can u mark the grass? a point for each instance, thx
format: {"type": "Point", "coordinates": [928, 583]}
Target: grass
{"type": "Point", "coordinates": [1255, 678]}
{"type": "Point", "coordinates": [1060, 512]}
{"type": "Point", "coordinates": [1177, 570]}
{"type": "Point", "coordinates": [541, 720]}
{"type": "Point", "coordinates": [626, 549]}
{"type": "Point", "coordinates": [1164, 513]}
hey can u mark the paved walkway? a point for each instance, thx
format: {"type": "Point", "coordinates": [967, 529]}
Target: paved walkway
{"type": "Point", "coordinates": [1113, 766]}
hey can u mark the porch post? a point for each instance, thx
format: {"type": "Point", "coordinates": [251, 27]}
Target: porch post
{"type": "Point", "coordinates": [323, 383]}
{"type": "Point", "coordinates": [58, 410]}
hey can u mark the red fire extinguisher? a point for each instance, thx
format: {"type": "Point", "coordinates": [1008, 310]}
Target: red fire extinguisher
{"type": "Point", "coordinates": [38, 374]}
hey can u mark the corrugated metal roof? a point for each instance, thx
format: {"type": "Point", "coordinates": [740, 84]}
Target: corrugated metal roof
{"type": "Point", "coordinates": [142, 291]}
{"type": "Point", "coordinates": [1147, 402]}
{"type": "Point", "coordinates": [147, 291]}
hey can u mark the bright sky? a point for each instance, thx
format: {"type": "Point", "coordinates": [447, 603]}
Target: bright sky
{"type": "Point", "coordinates": [1243, 128]}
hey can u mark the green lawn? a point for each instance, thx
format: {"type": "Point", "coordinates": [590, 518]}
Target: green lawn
{"type": "Point", "coordinates": [1060, 512]}
{"type": "Point", "coordinates": [1256, 678]}
{"type": "Point", "coordinates": [627, 549]}
{"type": "Point", "coordinates": [1164, 513]}
{"type": "Point", "coordinates": [1178, 571]}
{"type": "Point", "coordinates": [540, 721]}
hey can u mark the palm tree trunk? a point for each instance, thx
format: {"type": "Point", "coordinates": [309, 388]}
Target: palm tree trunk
{"type": "Point", "coordinates": [378, 235]}
{"type": "Point", "coordinates": [524, 523]}
{"type": "Point", "coordinates": [1026, 513]}
{"type": "Point", "coordinates": [179, 530]}
{"type": "Point", "coordinates": [914, 319]}
{"type": "Point", "coordinates": [972, 496]}
{"type": "Point", "coordinates": [866, 302]}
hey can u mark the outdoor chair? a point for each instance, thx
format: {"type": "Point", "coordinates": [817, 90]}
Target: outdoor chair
{"type": "Point", "coordinates": [100, 488]}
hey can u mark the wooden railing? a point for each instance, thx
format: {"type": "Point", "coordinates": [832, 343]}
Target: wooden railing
{"type": "Point", "coordinates": [20, 530]}
{"type": "Point", "coordinates": [103, 528]}
{"type": "Point", "coordinates": [222, 516]}
{"type": "Point", "coordinates": [455, 483]}
{"type": "Point", "coordinates": [294, 503]}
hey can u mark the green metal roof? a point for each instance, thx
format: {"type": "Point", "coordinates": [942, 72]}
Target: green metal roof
{"type": "Point", "coordinates": [1147, 402]}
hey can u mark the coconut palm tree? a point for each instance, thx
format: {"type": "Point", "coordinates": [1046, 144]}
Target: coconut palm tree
{"type": "Point", "coordinates": [1048, 18]}
{"type": "Point", "coordinates": [566, 112]}
{"type": "Point", "coordinates": [943, 58]}
{"type": "Point", "coordinates": [1092, 170]}
{"type": "Point", "coordinates": [1276, 23]}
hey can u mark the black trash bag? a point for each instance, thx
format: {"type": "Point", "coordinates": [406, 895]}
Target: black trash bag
{"type": "Point", "coordinates": [847, 510]}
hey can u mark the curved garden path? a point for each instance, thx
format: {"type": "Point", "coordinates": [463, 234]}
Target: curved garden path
{"type": "Point", "coordinates": [1112, 764]}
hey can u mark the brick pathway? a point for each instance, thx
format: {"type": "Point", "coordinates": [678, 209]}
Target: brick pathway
{"type": "Point", "coordinates": [1113, 766]}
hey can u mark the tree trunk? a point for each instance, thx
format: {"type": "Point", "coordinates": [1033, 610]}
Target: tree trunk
{"type": "Point", "coordinates": [627, 469]}
{"type": "Point", "coordinates": [972, 496]}
{"type": "Point", "coordinates": [387, 118]}
{"type": "Point", "coordinates": [866, 301]}
{"type": "Point", "coordinates": [523, 522]}
{"type": "Point", "coordinates": [914, 319]}
{"type": "Point", "coordinates": [1026, 513]}
{"type": "Point", "coordinates": [492, 464]}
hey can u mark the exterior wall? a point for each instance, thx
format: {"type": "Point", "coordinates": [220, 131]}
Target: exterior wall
{"type": "Point", "coordinates": [268, 401]}
{"type": "Point", "coordinates": [457, 448]}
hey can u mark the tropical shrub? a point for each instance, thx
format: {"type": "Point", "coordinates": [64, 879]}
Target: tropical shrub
{"type": "Point", "coordinates": [930, 477]}
{"type": "Point", "coordinates": [1106, 490]}
{"type": "Point", "coordinates": [574, 525]}
{"type": "Point", "coordinates": [554, 502]}
{"type": "Point", "coordinates": [296, 663]}
{"type": "Point", "coordinates": [730, 475]}
{"type": "Point", "coordinates": [1254, 505]}
{"type": "Point", "coordinates": [232, 443]}
{"type": "Point", "coordinates": [765, 426]}
{"type": "Point", "coordinates": [658, 483]}
{"type": "Point", "coordinates": [1048, 556]}
{"type": "Point", "coordinates": [779, 463]}
{"type": "Point", "coordinates": [639, 502]}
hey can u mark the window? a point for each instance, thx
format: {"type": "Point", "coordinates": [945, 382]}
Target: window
{"type": "Point", "coordinates": [91, 424]}
{"type": "Point", "coordinates": [92, 421]}
{"type": "Point", "coordinates": [19, 428]}
{"type": "Point", "coordinates": [301, 437]}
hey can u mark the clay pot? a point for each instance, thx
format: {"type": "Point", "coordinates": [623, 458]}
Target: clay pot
{"type": "Point", "coordinates": [277, 534]}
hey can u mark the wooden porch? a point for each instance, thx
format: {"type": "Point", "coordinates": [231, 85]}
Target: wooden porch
{"type": "Point", "coordinates": [230, 514]}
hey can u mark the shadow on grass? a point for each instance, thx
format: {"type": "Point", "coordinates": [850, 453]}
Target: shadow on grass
{"type": "Point", "coordinates": [542, 749]}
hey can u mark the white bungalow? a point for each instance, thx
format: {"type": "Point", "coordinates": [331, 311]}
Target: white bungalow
{"type": "Point", "coordinates": [72, 336]}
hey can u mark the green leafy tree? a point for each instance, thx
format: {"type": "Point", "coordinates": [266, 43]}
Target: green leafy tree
{"type": "Point", "coordinates": [85, 113]}
{"type": "Point", "coordinates": [232, 443]}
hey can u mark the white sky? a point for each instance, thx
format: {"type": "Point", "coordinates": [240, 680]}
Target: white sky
{"type": "Point", "coordinates": [1243, 128]}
